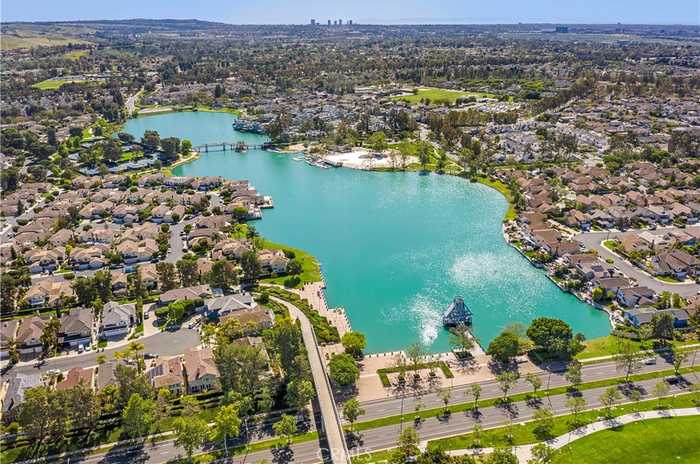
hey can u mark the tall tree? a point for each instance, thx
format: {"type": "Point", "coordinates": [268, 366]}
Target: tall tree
{"type": "Point", "coordinates": [166, 275]}
{"type": "Point", "coordinates": [227, 424]}
{"type": "Point", "coordinates": [628, 358]}
{"type": "Point", "coordinates": [286, 427]}
{"type": "Point", "coordinates": [137, 417]}
{"type": "Point", "coordinates": [190, 433]}
{"type": "Point", "coordinates": [351, 411]}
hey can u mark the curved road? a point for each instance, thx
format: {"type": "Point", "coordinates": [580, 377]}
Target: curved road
{"type": "Point", "coordinates": [593, 241]}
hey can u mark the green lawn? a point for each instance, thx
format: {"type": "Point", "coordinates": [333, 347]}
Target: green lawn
{"type": "Point", "coordinates": [439, 96]}
{"type": "Point", "coordinates": [524, 433]}
{"type": "Point", "coordinates": [311, 271]}
{"type": "Point", "coordinates": [649, 442]}
{"type": "Point", "coordinates": [668, 279]}
{"type": "Point", "coordinates": [50, 84]}
{"type": "Point", "coordinates": [607, 346]}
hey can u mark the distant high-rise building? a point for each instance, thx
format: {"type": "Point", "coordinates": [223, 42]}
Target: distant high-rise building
{"type": "Point", "coordinates": [340, 22]}
{"type": "Point", "coordinates": [562, 29]}
{"type": "Point", "coordinates": [313, 22]}
{"type": "Point", "coordinates": [349, 22]}
{"type": "Point", "coordinates": [329, 22]}
{"type": "Point", "coordinates": [335, 22]}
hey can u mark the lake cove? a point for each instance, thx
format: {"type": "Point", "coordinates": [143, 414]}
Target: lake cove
{"type": "Point", "coordinates": [395, 248]}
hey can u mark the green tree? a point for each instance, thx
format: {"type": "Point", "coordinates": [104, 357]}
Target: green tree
{"type": "Point", "coordinates": [662, 326]}
{"type": "Point", "coordinates": [554, 336]}
{"type": "Point", "coordinates": [475, 391]}
{"type": "Point", "coordinates": [406, 447]}
{"type": "Point", "coordinates": [351, 411]}
{"type": "Point", "coordinates": [608, 399]}
{"type": "Point", "coordinates": [354, 343]}
{"type": "Point", "coordinates": [227, 424]}
{"type": "Point", "coordinates": [501, 456]}
{"type": "Point", "coordinates": [223, 275]}
{"type": "Point", "coordinates": [299, 393]}
{"type": "Point", "coordinates": [286, 427]}
{"type": "Point", "coordinates": [573, 374]}
{"type": "Point", "coordinates": [250, 265]}
{"type": "Point", "coordinates": [535, 381]}
{"type": "Point", "coordinates": [628, 358]}
{"type": "Point", "coordinates": [187, 271]}
{"type": "Point", "coordinates": [544, 423]}
{"type": "Point", "coordinates": [504, 347]}
{"type": "Point", "coordinates": [137, 417]}
{"type": "Point", "coordinates": [185, 147]}
{"type": "Point", "coordinates": [49, 336]}
{"type": "Point", "coordinates": [576, 404]}
{"type": "Point", "coordinates": [343, 370]}
{"type": "Point", "coordinates": [167, 276]}
{"type": "Point", "coordinates": [377, 141]}
{"type": "Point", "coordinates": [240, 367]}
{"type": "Point", "coordinates": [542, 454]}
{"type": "Point", "coordinates": [171, 148]}
{"type": "Point", "coordinates": [660, 391]}
{"type": "Point", "coordinates": [190, 433]}
{"type": "Point", "coordinates": [506, 381]}
{"type": "Point", "coordinates": [679, 357]}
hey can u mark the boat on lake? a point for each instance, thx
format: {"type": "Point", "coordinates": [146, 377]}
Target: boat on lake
{"type": "Point", "coordinates": [458, 313]}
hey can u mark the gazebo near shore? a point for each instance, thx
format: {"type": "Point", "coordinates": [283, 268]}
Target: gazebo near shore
{"type": "Point", "coordinates": [457, 314]}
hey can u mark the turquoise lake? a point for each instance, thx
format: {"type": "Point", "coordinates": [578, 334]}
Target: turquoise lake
{"type": "Point", "coordinates": [395, 248]}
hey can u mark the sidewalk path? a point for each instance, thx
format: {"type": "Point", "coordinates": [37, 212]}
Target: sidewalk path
{"type": "Point", "coordinates": [524, 452]}
{"type": "Point", "coordinates": [329, 412]}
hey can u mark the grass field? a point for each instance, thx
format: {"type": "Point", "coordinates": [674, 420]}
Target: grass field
{"type": "Point", "coordinates": [606, 346]}
{"type": "Point", "coordinates": [649, 442]}
{"type": "Point", "coordinates": [50, 84]}
{"type": "Point", "coordinates": [76, 54]}
{"type": "Point", "coordinates": [438, 96]}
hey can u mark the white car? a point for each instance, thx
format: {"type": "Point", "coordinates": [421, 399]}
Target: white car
{"type": "Point", "coordinates": [650, 361]}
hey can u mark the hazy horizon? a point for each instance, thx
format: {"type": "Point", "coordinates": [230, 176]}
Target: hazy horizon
{"type": "Point", "coordinates": [389, 12]}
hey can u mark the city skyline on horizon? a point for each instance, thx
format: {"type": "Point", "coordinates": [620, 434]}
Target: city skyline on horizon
{"type": "Point", "coordinates": [413, 12]}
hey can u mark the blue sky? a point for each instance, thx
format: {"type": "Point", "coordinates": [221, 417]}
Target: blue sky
{"type": "Point", "coordinates": [365, 11]}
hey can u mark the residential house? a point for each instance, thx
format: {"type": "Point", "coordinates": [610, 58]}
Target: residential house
{"type": "Point", "coordinates": [224, 305]}
{"type": "Point", "coordinates": [197, 292]}
{"type": "Point", "coordinates": [17, 386]}
{"type": "Point", "coordinates": [28, 337]}
{"type": "Point", "coordinates": [631, 297]}
{"type": "Point", "coordinates": [76, 328]}
{"type": "Point", "coordinates": [273, 261]}
{"type": "Point", "coordinates": [637, 317]}
{"type": "Point", "coordinates": [167, 373]}
{"type": "Point", "coordinates": [201, 373]}
{"type": "Point", "coordinates": [74, 377]}
{"type": "Point", "coordinates": [48, 292]}
{"type": "Point", "coordinates": [8, 334]}
{"type": "Point", "coordinates": [117, 320]}
{"type": "Point", "coordinates": [678, 263]}
{"type": "Point", "coordinates": [251, 320]}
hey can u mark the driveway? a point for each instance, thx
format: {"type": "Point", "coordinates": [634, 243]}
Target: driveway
{"type": "Point", "coordinates": [593, 241]}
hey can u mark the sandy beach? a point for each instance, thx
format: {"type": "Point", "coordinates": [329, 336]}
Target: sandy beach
{"type": "Point", "coordinates": [361, 158]}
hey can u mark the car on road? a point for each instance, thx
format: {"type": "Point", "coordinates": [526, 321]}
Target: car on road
{"type": "Point", "coordinates": [150, 355]}
{"type": "Point", "coordinates": [650, 361]}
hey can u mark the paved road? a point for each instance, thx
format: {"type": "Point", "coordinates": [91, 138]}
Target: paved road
{"type": "Point", "coordinates": [175, 252]}
{"type": "Point", "coordinates": [385, 437]}
{"type": "Point", "coordinates": [593, 241]}
{"type": "Point", "coordinates": [330, 417]}
{"type": "Point", "coordinates": [163, 343]}
{"type": "Point", "coordinates": [589, 373]}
